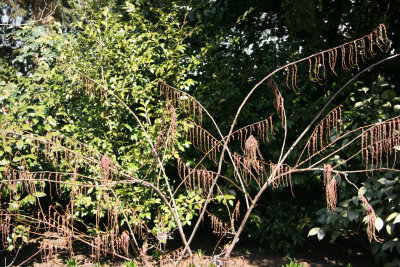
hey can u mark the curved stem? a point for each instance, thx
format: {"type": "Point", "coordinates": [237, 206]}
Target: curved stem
{"type": "Point", "coordinates": [272, 176]}
{"type": "Point", "coordinates": [222, 137]}
{"type": "Point", "coordinates": [223, 154]}
{"type": "Point", "coordinates": [136, 250]}
{"type": "Point", "coordinates": [175, 213]}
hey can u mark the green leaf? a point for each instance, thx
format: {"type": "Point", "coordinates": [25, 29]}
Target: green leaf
{"type": "Point", "coordinates": [20, 144]}
{"type": "Point", "coordinates": [386, 182]}
{"type": "Point", "coordinates": [378, 224]}
{"type": "Point", "coordinates": [389, 228]}
{"type": "Point", "coordinates": [39, 194]}
{"type": "Point", "coordinates": [352, 215]}
{"type": "Point", "coordinates": [52, 121]}
{"type": "Point", "coordinates": [385, 246]}
{"type": "Point", "coordinates": [362, 191]}
{"type": "Point", "coordinates": [374, 248]}
{"type": "Point", "coordinates": [189, 82]}
{"type": "Point", "coordinates": [321, 234]}
{"type": "Point", "coordinates": [397, 220]}
{"type": "Point", "coordinates": [389, 94]}
{"type": "Point", "coordinates": [358, 104]}
{"type": "Point", "coordinates": [365, 89]}
{"type": "Point", "coordinates": [392, 216]}
{"type": "Point", "coordinates": [8, 149]}
{"type": "Point", "coordinates": [313, 231]}
{"type": "Point", "coordinates": [29, 199]}
{"type": "Point", "coordinates": [14, 206]}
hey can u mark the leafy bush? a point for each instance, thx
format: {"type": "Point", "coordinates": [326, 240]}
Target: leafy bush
{"type": "Point", "coordinates": [381, 189]}
{"type": "Point", "coordinates": [281, 224]}
{"type": "Point", "coordinates": [72, 262]}
{"type": "Point", "coordinates": [293, 263]}
{"type": "Point", "coordinates": [382, 192]}
{"type": "Point", "coordinates": [130, 264]}
{"type": "Point", "coordinates": [88, 141]}
{"type": "Point", "coordinates": [108, 52]}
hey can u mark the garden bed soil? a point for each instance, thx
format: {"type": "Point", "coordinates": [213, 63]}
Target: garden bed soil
{"type": "Point", "coordinates": [312, 253]}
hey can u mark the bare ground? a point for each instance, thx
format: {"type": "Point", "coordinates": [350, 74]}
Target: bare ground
{"type": "Point", "coordinates": [312, 253]}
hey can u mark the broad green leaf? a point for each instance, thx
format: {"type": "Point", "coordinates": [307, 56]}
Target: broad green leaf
{"type": "Point", "coordinates": [14, 206]}
{"type": "Point", "coordinates": [389, 229]}
{"type": "Point", "coordinates": [392, 216]}
{"type": "Point", "coordinates": [362, 191]}
{"type": "Point", "coordinates": [385, 246]}
{"type": "Point", "coordinates": [352, 215]}
{"type": "Point", "coordinates": [39, 194]}
{"type": "Point", "coordinates": [383, 180]}
{"type": "Point", "coordinates": [378, 223]}
{"type": "Point", "coordinates": [313, 231]}
{"type": "Point", "coordinates": [365, 89]}
{"type": "Point", "coordinates": [397, 220]}
{"type": "Point", "coordinates": [29, 199]}
{"type": "Point", "coordinates": [20, 144]}
{"type": "Point", "coordinates": [8, 149]}
{"type": "Point", "coordinates": [52, 121]}
{"type": "Point", "coordinates": [389, 94]}
{"type": "Point", "coordinates": [321, 234]}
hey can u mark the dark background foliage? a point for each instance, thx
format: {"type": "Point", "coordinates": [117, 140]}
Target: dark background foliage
{"type": "Point", "coordinates": [227, 47]}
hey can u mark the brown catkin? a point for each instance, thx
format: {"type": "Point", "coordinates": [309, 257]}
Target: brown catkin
{"type": "Point", "coordinates": [330, 188]}
{"type": "Point", "coordinates": [371, 218]}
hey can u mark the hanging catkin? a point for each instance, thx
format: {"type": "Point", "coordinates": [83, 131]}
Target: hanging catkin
{"type": "Point", "coordinates": [330, 188]}
{"type": "Point", "coordinates": [371, 218]}
{"type": "Point", "coordinates": [331, 125]}
{"type": "Point", "coordinates": [349, 53]}
{"type": "Point", "coordinates": [204, 141]}
{"type": "Point", "coordinates": [200, 178]}
{"type": "Point", "coordinates": [182, 100]}
{"type": "Point", "coordinates": [262, 130]}
{"type": "Point", "coordinates": [378, 142]}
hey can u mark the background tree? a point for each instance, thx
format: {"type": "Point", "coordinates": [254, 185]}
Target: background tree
{"type": "Point", "coordinates": [269, 36]}
{"type": "Point", "coordinates": [215, 51]}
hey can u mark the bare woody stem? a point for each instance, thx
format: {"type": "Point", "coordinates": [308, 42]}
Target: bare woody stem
{"type": "Point", "coordinates": [272, 176]}
{"type": "Point", "coordinates": [174, 211]}
{"type": "Point", "coordinates": [225, 148]}
{"type": "Point", "coordinates": [127, 222]}
{"type": "Point", "coordinates": [118, 170]}
{"type": "Point", "coordinates": [226, 140]}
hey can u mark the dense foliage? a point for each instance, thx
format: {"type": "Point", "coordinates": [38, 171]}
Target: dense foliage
{"type": "Point", "coordinates": [57, 97]}
{"type": "Point", "coordinates": [82, 73]}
